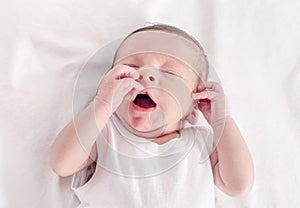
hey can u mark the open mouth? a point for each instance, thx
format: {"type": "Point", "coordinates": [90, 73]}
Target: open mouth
{"type": "Point", "coordinates": [144, 101]}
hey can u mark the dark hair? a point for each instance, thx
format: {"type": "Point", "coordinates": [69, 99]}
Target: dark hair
{"type": "Point", "coordinates": [174, 30]}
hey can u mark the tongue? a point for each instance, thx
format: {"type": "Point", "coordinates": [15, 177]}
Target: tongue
{"type": "Point", "coordinates": [144, 101]}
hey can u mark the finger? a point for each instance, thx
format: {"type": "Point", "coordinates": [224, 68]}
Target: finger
{"type": "Point", "coordinates": [213, 86]}
{"type": "Point", "coordinates": [128, 84]}
{"type": "Point", "coordinates": [200, 95]}
{"type": "Point", "coordinates": [212, 94]}
{"type": "Point", "coordinates": [210, 86]}
{"type": "Point", "coordinates": [135, 75]}
{"type": "Point", "coordinates": [122, 71]}
{"type": "Point", "coordinates": [204, 95]}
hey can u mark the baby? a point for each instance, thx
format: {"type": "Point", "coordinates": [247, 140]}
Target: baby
{"type": "Point", "coordinates": [143, 130]}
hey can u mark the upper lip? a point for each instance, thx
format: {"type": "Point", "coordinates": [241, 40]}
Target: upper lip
{"type": "Point", "coordinates": [142, 92]}
{"type": "Point", "coordinates": [139, 92]}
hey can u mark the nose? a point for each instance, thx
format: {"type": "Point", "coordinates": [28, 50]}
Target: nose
{"type": "Point", "coordinates": [148, 75]}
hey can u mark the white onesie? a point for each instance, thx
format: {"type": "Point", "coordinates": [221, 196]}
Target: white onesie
{"type": "Point", "coordinates": [133, 172]}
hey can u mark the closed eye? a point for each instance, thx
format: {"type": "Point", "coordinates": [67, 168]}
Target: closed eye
{"type": "Point", "coordinates": [171, 72]}
{"type": "Point", "coordinates": [132, 65]}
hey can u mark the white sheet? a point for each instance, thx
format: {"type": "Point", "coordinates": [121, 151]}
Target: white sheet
{"type": "Point", "coordinates": [253, 45]}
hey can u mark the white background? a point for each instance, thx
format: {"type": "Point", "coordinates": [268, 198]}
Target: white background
{"type": "Point", "coordinates": [253, 45]}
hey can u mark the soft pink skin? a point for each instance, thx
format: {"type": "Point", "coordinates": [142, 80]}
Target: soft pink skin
{"type": "Point", "coordinates": [167, 117]}
{"type": "Point", "coordinates": [231, 161]}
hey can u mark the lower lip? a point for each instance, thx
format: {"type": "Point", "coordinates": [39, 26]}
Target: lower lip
{"type": "Point", "coordinates": [138, 108]}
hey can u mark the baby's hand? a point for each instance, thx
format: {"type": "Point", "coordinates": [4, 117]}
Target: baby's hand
{"type": "Point", "coordinates": [119, 81]}
{"type": "Point", "coordinates": [211, 102]}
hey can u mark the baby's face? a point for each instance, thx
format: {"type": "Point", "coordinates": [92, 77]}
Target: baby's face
{"type": "Point", "coordinates": [166, 100]}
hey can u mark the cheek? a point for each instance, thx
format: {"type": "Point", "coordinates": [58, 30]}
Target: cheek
{"type": "Point", "coordinates": [123, 109]}
{"type": "Point", "coordinates": [192, 82]}
{"type": "Point", "coordinates": [172, 106]}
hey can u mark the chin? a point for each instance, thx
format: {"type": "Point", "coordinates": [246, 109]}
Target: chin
{"type": "Point", "coordinates": [142, 128]}
{"type": "Point", "coordinates": [140, 124]}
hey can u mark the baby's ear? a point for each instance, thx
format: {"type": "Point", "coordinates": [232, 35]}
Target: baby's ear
{"type": "Point", "coordinates": [193, 116]}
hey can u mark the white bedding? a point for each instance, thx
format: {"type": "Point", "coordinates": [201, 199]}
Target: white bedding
{"type": "Point", "coordinates": [253, 45]}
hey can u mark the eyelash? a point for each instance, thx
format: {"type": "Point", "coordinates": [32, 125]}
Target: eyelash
{"type": "Point", "coordinates": [169, 72]}
{"type": "Point", "coordinates": [132, 65]}
{"type": "Point", "coordinates": [136, 66]}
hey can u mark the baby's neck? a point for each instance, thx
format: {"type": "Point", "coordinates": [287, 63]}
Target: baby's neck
{"type": "Point", "coordinates": [165, 138]}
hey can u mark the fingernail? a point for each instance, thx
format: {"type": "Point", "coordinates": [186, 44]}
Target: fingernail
{"type": "Point", "coordinates": [135, 75]}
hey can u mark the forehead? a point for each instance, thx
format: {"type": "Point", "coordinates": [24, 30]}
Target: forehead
{"type": "Point", "coordinates": [161, 42]}
{"type": "Point", "coordinates": [153, 58]}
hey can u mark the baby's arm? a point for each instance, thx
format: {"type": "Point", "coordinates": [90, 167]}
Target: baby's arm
{"type": "Point", "coordinates": [74, 147]}
{"type": "Point", "coordinates": [231, 161]}
{"type": "Point", "coordinates": [71, 152]}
